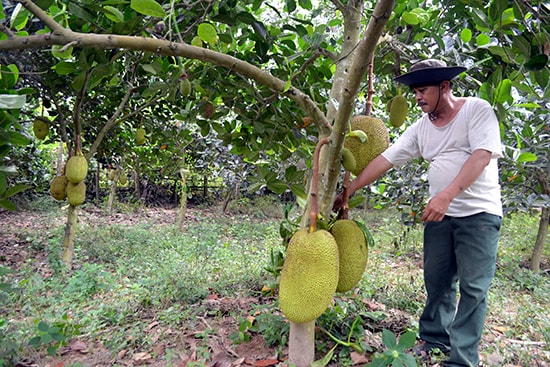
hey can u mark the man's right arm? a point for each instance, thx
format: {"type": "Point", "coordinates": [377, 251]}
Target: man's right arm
{"type": "Point", "coordinates": [376, 168]}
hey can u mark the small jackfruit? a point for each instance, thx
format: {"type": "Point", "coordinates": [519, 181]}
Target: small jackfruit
{"type": "Point", "coordinates": [309, 276]}
{"type": "Point", "coordinates": [58, 187]}
{"type": "Point", "coordinates": [398, 110]}
{"type": "Point", "coordinates": [40, 127]}
{"type": "Point", "coordinates": [76, 193]}
{"type": "Point", "coordinates": [348, 160]}
{"type": "Point", "coordinates": [378, 140]}
{"type": "Point", "coordinates": [352, 253]}
{"type": "Point", "coordinates": [76, 168]}
{"type": "Point", "coordinates": [122, 179]}
{"type": "Point", "coordinates": [185, 87]}
{"type": "Point", "coordinates": [112, 175]}
{"type": "Point", "coordinates": [140, 136]}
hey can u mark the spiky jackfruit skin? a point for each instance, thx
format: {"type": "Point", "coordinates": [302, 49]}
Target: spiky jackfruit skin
{"type": "Point", "coordinates": [352, 253]}
{"type": "Point", "coordinates": [398, 110]}
{"type": "Point", "coordinates": [76, 193]}
{"type": "Point", "coordinates": [378, 141]}
{"type": "Point", "coordinates": [40, 128]}
{"type": "Point", "coordinates": [76, 168]}
{"type": "Point", "coordinates": [58, 187]}
{"type": "Point", "coordinates": [309, 276]}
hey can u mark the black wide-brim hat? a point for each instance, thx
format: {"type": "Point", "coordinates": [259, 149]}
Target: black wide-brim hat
{"type": "Point", "coordinates": [429, 72]}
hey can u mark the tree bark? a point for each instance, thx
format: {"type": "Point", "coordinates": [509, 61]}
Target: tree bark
{"type": "Point", "coordinates": [68, 240]}
{"type": "Point", "coordinates": [542, 234]}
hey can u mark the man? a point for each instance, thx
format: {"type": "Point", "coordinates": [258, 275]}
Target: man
{"type": "Point", "coordinates": [460, 139]}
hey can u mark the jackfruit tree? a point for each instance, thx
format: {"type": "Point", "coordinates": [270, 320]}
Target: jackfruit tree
{"type": "Point", "coordinates": [256, 70]}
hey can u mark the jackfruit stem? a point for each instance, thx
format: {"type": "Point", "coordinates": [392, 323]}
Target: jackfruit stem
{"type": "Point", "coordinates": [314, 211]}
{"type": "Point", "coordinates": [345, 196]}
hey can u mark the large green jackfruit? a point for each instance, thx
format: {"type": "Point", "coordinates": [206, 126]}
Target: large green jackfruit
{"type": "Point", "coordinates": [58, 187]}
{"type": "Point", "coordinates": [76, 168]}
{"type": "Point", "coordinates": [352, 253]}
{"type": "Point", "coordinates": [309, 276]}
{"type": "Point", "coordinates": [378, 140]}
{"type": "Point", "coordinates": [76, 193]}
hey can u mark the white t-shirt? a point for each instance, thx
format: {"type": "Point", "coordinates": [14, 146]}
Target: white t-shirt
{"type": "Point", "coordinates": [447, 148]}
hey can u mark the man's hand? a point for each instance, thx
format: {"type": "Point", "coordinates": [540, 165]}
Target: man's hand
{"type": "Point", "coordinates": [338, 203]}
{"type": "Point", "coordinates": [436, 208]}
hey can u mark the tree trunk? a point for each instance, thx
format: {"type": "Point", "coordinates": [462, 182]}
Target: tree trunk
{"type": "Point", "coordinates": [301, 344]}
{"type": "Point", "coordinates": [112, 193]}
{"type": "Point", "coordinates": [542, 234]}
{"type": "Point", "coordinates": [205, 187]}
{"type": "Point", "coordinates": [183, 202]}
{"type": "Point", "coordinates": [68, 239]}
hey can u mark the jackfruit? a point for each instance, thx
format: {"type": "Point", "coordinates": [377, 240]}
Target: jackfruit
{"type": "Point", "coordinates": [348, 160]}
{"type": "Point", "coordinates": [122, 179]}
{"type": "Point", "coordinates": [140, 136]}
{"type": "Point", "coordinates": [112, 175]}
{"type": "Point", "coordinates": [58, 187]}
{"type": "Point", "coordinates": [185, 87]}
{"type": "Point", "coordinates": [41, 127]}
{"type": "Point", "coordinates": [76, 193]}
{"type": "Point", "coordinates": [398, 110]}
{"type": "Point", "coordinates": [309, 276]}
{"type": "Point", "coordinates": [378, 141]}
{"type": "Point", "coordinates": [76, 168]}
{"type": "Point", "coordinates": [352, 253]}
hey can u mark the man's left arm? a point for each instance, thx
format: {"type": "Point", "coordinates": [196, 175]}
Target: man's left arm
{"type": "Point", "coordinates": [471, 169]}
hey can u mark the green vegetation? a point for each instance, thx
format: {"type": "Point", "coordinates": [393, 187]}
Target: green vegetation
{"type": "Point", "coordinates": [140, 272]}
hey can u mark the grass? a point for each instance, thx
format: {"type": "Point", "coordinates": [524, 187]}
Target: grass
{"type": "Point", "coordinates": [127, 276]}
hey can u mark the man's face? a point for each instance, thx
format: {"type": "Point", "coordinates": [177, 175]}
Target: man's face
{"type": "Point", "coordinates": [426, 97]}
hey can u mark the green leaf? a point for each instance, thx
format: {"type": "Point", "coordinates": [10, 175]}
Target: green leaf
{"type": "Point", "coordinates": [290, 5]}
{"type": "Point", "coordinates": [389, 340]}
{"type": "Point", "coordinates": [8, 205]}
{"type": "Point", "coordinates": [148, 7]}
{"type": "Point", "coordinates": [325, 360]}
{"type": "Point", "coordinates": [277, 186]}
{"type": "Point", "coordinates": [482, 40]}
{"type": "Point", "coordinates": [65, 68]}
{"type": "Point", "coordinates": [65, 54]}
{"type": "Point", "coordinates": [537, 62]}
{"type": "Point", "coordinates": [207, 33]}
{"type": "Point", "coordinates": [12, 101]}
{"type": "Point", "coordinates": [113, 14]}
{"type": "Point", "coordinates": [13, 190]}
{"type": "Point", "coordinates": [527, 157]}
{"type": "Point", "coordinates": [410, 18]}
{"type": "Point", "coordinates": [42, 326]}
{"type": "Point", "coordinates": [466, 35]}
{"type": "Point", "coordinates": [503, 91]}
{"type": "Point", "coordinates": [306, 4]}
{"type": "Point", "coordinates": [406, 341]}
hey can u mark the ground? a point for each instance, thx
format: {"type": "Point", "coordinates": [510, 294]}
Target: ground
{"type": "Point", "coordinates": [182, 347]}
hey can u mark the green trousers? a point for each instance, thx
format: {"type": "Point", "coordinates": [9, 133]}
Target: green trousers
{"type": "Point", "coordinates": [458, 251]}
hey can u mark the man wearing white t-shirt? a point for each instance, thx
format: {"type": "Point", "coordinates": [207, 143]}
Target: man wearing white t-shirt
{"type": "Point", "coordinates": [460, 139]}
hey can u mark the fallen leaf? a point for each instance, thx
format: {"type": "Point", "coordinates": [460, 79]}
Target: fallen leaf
{"type": "Point", "coordinates": [141, 356]}
{"type": "Point", "coordinates": [358, 358]}
{"type": "Point", "coordinates": [78, 346]}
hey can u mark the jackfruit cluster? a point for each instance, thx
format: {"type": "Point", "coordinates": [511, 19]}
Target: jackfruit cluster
{"type": "Point", "coordinates": [309, 276]}
{"type": "Point", "coordinates": [398, 108]}
{"type": "Point", "coordinates": [378, 140]}
{"type": "Point", "coordinates": [71, 185]}
{"type": "Point", "coordinates": [352, 253]}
